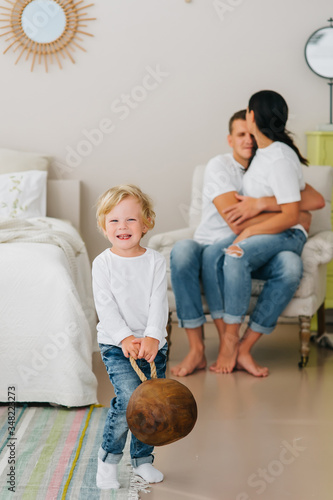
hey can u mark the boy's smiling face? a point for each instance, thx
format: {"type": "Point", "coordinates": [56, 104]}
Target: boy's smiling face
{"type": "Point", "coordinates": [124, 227]}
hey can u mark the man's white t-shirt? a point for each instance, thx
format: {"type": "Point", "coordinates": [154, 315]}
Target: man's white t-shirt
{"type": "Point", "coordinates": [130, 296]}
{"type": "Point", "coordinates": [222, 175]}
{"type": "Point", "coordinates": [275, 171]}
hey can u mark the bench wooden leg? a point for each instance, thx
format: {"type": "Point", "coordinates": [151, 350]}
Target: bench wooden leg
{"type": "Point", "coordinates": [304, 333]}
{"type": "Point", "coordinates": [321, 320]}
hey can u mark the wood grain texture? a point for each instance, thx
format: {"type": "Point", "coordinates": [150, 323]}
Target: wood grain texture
{"type": "Point", "coordinates": [161, 411]}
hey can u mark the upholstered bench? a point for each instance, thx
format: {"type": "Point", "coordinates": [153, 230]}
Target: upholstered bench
{"type": "Point", "coordinates": [309, 298]}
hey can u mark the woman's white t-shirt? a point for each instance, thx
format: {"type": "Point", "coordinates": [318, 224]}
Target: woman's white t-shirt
{"type": "Point", "coordinates": [222, 175]}
{"type": "Point", "coordinates": [130, 296]}
{"type": "Point", "coordinates": [275, 171]}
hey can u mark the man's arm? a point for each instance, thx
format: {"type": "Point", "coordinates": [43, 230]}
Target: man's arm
{"type": "Point", "coordinates": [248, 207]}
{"type": "Point", "coordinates": [223, 201]}
{"type": "Point", "coordinates": [311, 199]}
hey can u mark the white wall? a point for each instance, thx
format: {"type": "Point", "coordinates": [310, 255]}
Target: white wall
{"type": "Point", "coordinates": [209, 62]}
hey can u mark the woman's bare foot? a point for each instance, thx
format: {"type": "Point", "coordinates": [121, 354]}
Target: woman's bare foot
{"type": "Point", "coordinates": [246, 362]}
{"type": "Point", "coordinates": [226, 359]}
{"type": "Point", "coordinates": [195, 360]}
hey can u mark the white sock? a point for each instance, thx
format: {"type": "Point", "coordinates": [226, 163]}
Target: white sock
{"type": "Point", "coordinates": [148, 473]}
{"type": "Point", "coordinates": [106, 477]}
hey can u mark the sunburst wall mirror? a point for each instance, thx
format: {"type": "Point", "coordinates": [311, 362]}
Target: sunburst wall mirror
{"type": "Point", "coordinates": [44, 30]}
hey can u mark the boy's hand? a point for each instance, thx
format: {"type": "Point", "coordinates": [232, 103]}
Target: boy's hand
{"type": "Point", "coordinates": [129, 347]}
{"type": "Point", "coordinates": [148, 348]}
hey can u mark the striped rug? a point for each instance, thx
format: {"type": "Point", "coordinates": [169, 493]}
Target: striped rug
{"type": "Point", "coordinates": [52, 454]}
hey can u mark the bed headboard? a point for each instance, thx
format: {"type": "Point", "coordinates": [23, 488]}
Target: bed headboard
{"type": "Point", "coordinates": [63, 200]}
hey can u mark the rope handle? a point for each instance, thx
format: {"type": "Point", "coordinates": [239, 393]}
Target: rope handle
{"type": "Point", "coordinates": [139, 373]}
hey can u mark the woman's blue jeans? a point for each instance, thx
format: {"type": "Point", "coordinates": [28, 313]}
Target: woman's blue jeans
{"type": "Point", "coordinates": [197, 268]}
{"type": "Point", "coordinates": [125, 381]}
{"type": "Point", "coordinates": [275, 258]}
{"type": "Point", "coordinates": [194, 269]}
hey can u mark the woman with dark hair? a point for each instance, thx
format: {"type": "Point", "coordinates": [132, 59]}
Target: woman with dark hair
{"type": "Point", "coordinates": [275, 171]}
{"type": "Point", "coordinates": [270, 115]}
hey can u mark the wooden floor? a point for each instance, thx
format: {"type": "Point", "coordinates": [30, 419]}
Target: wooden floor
{"type": "Point", "coordinates": [255, 439]}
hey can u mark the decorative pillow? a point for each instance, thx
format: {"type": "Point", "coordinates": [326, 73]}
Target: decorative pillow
{"type": "Point", "coordinates": [23, 194]}
{"type": "Point", "coordinates": [18, 161]}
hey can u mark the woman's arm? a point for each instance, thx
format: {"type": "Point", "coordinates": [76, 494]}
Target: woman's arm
{"type": "Point", "coordinates": [311, 199]}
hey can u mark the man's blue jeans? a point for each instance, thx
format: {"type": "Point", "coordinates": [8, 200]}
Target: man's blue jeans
{"type": "Point", "coordinates": [275, 258]}
{"type": "Point", "coordinates": [125, 381]}
{"type": "Point", "coordinates": [195, 266]}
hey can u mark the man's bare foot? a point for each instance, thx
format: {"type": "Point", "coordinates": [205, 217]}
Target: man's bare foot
{"type": "Point", "coordinates": [195, 360]}
{"type": "Point", "coordinates": [226, 359]}
{"type": "Point", "coordinates": [246, 362]}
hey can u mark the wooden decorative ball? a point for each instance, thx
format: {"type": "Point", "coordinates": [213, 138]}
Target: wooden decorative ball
{"type": "Point", "coordinates": [161, 411]}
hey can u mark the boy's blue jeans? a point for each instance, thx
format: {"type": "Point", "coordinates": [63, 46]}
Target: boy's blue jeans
{"type": "Point", "coordinates": [274, 259]}
{"type": "Point", "coordinates": [125, 381]}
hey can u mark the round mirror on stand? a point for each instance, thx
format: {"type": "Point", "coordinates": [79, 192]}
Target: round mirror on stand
{"type": "Point", "coordinates": [43, 29]}
{"type": "Point", "coordinates": [319, 56]}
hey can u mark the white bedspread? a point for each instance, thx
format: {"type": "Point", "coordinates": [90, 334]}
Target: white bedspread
{"type": "Point", "coordinates": [47, 314]}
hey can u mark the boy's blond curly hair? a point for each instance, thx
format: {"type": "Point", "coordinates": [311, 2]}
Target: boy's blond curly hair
{"type": "Point", "coordinates": [108, 200]}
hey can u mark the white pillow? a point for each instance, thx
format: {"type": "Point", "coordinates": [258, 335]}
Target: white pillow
{"type": "Point", "coordinates": [23, 194]}
{"type": "Point", "coordinates": [12, 161]}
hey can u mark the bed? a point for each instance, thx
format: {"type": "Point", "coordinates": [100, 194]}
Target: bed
{"type": "Point", "coordinates": [47, 314]}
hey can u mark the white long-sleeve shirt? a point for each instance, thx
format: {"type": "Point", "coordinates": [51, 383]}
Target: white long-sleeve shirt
{"type": "Point", "coordinates": [130, 296]}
